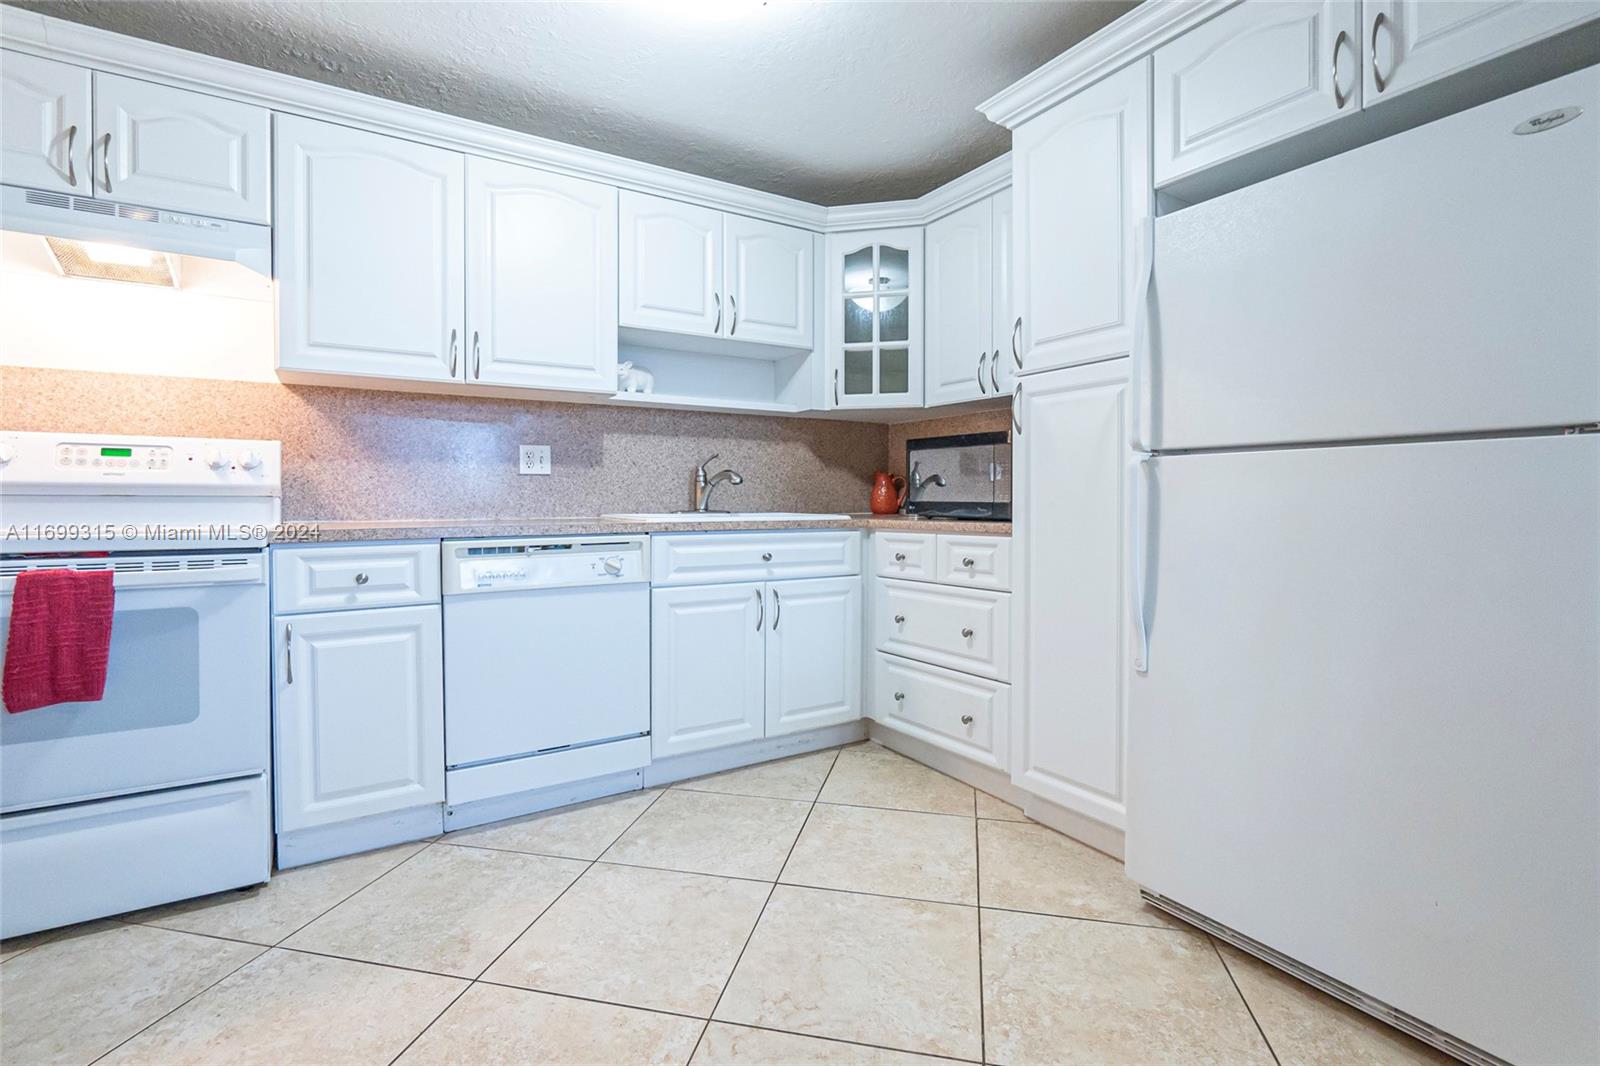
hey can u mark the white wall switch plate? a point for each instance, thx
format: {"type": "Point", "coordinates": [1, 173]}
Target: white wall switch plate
{"type": "Point", "coordinates": [533, 458]}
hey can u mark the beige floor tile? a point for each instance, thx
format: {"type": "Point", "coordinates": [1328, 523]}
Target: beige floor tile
{"type": "Point", "coordinates": [656, 939]}
{"type": "Point", "coordinates": [1059, 990]}
{"type": "Point", "coordinates": [287, 1007]}
{"type": "Point", "coordinates": [999, 809]}
{"type": "Point", "coordinates": [581, 831]}
{"type": "Point", "coordinates": [797, 778]}
{"type": "Point", "coordinates": [492, 1024]}
{"type": "Point", "coordinates": [268, 913]}
{"type": "Point", "coordinates": [449, 910]}
{"type": "Point", "coordinates": [1027, 867]}
{"type": "Point", "coordinates": [893, 853]}
{"type": "Point", "coordinates": [895, 973]}
{"type": "Point", "coordinates": [81, 994]}
{"type": "Point", "coordinates": [1307, 1027]}
{"type": "Point", "coordinates": [708, 833]}
{"type": "Point", "coordinates": [874, 776]}
{"type": "Point", "coordinates": [10, 949]}
{"type": "Point", "coordinates": [739, 1045]}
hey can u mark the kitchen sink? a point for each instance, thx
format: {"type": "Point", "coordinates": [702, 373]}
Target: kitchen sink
{"type": "Point", "coordinates": [724, 516]}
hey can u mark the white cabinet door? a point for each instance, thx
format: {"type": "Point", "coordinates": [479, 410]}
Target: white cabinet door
{"type": "Point", "coordinates": [1004, 338]}
{"type": "Point", "coordinates": [541, 279]}
{"type": "Point", "coordinates": [369, 253]}
{"type": "Point", "coordinates": [875, 309]}
{"type": "Point", "coordinates": [957, 330]}
{"type": "Point", "coordinates": [359, 711]}
{"type": "Point", "coordinates": [707, 666]}
{"type": "Point", "coordinates": [768, 271]}
{"type": "Point", "coordinates": [813, 653]}
{"type": "Point", "coordinates": [1069, 734]}
{"type": "Point", "coordinates": [1412, 42]}
{"type": "Point", "coordinates": [44, 124]}
{"type": "Point", "coordinates": [1082, 187]}
{"type": "Point", "coordinates": [185, 151]}
{"type": "Point", "coordinates": [671, 265]}
{"type": "Point", "coordinates": [1253, 75]}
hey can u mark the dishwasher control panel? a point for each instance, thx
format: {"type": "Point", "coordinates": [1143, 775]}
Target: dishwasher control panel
{"type": "Point", "coordinates": [540, 563]}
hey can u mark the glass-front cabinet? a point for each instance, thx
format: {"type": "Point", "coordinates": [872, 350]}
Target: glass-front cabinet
{"type": "Point", "coordinates": [874, 287]}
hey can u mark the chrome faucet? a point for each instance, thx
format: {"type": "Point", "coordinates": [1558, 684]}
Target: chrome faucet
{"type": "Point", "coordinates": [704, 483]}
{"type": "Point", "coordinates": [918, 482]}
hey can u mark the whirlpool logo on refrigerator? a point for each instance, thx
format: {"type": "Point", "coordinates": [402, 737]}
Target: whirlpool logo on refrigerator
{"type": "Point", "coordinates": [1548, 121]}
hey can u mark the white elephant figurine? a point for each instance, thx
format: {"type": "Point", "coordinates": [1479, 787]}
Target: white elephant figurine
{"type": "Point", "coordinates": [634, 379]}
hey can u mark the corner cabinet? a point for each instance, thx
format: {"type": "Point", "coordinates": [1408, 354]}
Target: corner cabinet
{"type": "Point", "coordinates": [874, 297]}
{"type": "Point", "coordinates": [400, 261]}
{"type": "Point", "coordinates": [967, 339]}
{"type": "Point", "coordinates": [1081, 189]}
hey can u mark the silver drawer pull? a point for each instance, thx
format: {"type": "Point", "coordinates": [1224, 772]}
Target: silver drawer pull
{"type": "Point", "coordinates": [288, 654]}
{"type": "Point", "coordinates": [899, 619]}
{"type": "Point", "coordinates": [766, 557]}
{"type": "Point", "coordinates": [969, 562]}
{"type": "Point", "coordinates": [967, 632]}
{"type": "Point", "coordinates": [362, 579]}
{"type": "Point", "coordinates": [899, 557]}
{"type": "Point", "coordinates": [966, 719]}
{"type": "Point", "coordinates": [899, 697]}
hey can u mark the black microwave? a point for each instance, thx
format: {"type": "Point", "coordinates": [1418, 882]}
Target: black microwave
{"type": "Point", "coordinates": [966, 476]}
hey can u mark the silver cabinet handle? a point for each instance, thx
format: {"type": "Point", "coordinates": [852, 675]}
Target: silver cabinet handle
{"type": "Point", "coordinates": [1015, 396]}
{"type": "Point", "coordinates": [105, 163]}
{"type": "Point", "coordinates": [716, 327]}
{"type": "Point", "coordinates": [453, 352]}
{"type": "Point", "coordinates": [1016, 331]}
{"type": "Point", "coordinates": [836, 387]}
{"type": "Point", "coordinates": [777, 610]}
{"type": "Point", "coordinates": [477, 357]}
{"type": "Point", "coordinates": [288, 654]}
{"type": "Point", "coordinates": [733, 327]}
{"type": "Point", "coordinates": [766, 557]}
{"type": "Point", "coordinates": [899, 619]}
{"type": "Point", "coordinates": [899, 557]}
{"type": "Point", "coordinates": [72, 167]}
{"type": "Point", "coordinates": [1339, 98]}
{"type": "Point", "coordinates": [1378, 80]}
{"type": "Point", "coordinates": [969, 562]}
{"type": "Point", "coordinates": [966, 719]}
{"type": "Point", "coordinates": [966, 631]}
{"type": "Point", "coordinates": [982, 358]}
{"type": "Point", "coordinates": [761, 610]}
{"type": "Point", "coordinates": [899, 697]}
{"type": "Point", "coordinates": [994, 371]}
{"type": "Point", "coordinates": [362, 579]}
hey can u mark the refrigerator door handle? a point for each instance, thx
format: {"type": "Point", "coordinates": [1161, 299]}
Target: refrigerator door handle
{"type": "Point", "coordinates": [1138, 541]}
{"type": "Point", "coordinates": [1138, 363]}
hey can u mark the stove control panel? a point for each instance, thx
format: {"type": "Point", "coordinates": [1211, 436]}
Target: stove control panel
{"type": "Point", "coordinates": [112, 464]}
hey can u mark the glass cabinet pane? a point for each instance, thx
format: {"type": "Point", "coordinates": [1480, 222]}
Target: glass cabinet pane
{"type": "Point", "coordinates": [858, 373]}
{"type": "Point", "coordinates": [858, 320]}
{"type": "Point", "coordinates": [894, 318]}
{"type": "Point", "coordinates": [858, 270]}
{"type": "Point", "coordinates": [894, 371]}
{"type": "Point", "coordinates": [894, 268]}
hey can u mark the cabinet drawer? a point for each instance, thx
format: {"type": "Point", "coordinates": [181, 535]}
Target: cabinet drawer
{"type": "Point", "coordinates": [960, 713]}
{"type": "Point", "coordinates": [335, 578]}
{"type": "Point", "coordinates": [904, 555]}
{"type": "Point", "coordinates": [963, 629]}
{"type": "Point", "coordinates": [716, 558]}
{"type": "Point", "coordinates": [974, 562]}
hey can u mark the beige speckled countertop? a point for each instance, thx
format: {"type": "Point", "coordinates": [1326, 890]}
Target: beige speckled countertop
{"type": "Point", "coordinates": [311, 531]}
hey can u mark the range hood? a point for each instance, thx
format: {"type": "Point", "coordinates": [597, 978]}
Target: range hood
{"type": "Point", "coordinates": [88, 219]}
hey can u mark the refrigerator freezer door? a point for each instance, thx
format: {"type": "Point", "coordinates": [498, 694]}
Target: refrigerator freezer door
{"type": "Point", "coordinates": [1370, 732]}
{"type": "Point", "coordinates": [1443, 280]}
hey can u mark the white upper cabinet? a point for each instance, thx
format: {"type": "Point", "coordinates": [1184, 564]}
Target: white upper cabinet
{"type": "Point", "coordinates": [1412, 42]}
{"type": "Point", "coordinates": [369, 250]}
{"type": "Point", "coordinates": [767, 274]}
{"type": "Point", "coordinates": [1081, 185]}
{"type": "Point", "coordinates": [184, 151]}
{"type": "Point", "coordinates": [671, 256]}
{"type": "Point", "coordinates": [541, 279]}
{"type": "Point", "coordinates": [813, 653]}
{"type": "Point", "coordinates": [1004, 338]}
{"type": "Point", "coordinates": [44, 124]}
{"type": "Point", "coordinates": [959, 281]}
{"type": "Point", "coordinates": [874, 319]}
{"type": "Point", "coordinates": [1255, 74]}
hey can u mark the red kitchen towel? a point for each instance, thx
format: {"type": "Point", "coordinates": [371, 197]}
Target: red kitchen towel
{"type": "Point", "coordinates": [60, 638]}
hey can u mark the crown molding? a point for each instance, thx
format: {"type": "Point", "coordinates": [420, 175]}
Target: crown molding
{"type": "Point", "coordinates": [969, 188]}
{"type": "Point", "coordinates": [1134, 35]}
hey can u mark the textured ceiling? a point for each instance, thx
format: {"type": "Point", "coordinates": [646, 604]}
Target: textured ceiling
{"type": "Point", "coordinates": [831, 103]}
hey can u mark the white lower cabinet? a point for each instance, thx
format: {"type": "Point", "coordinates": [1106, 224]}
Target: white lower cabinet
{"type": "Point", "coordinates": [707, 666]}
{"type": "Point", "coordinates": [946, 708]}
{"type": "Point", "coordinates": [1070, 732]}
{"type": "Point", "coordinates": [813, 654]}
{"type": "Point", "coordinates": [359, 714]}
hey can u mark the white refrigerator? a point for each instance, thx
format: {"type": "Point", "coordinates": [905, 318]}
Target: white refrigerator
{"type": "Point", "coordinates": [1365, 720]}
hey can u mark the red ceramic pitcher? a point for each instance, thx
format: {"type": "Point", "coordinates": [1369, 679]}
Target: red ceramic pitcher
{"type": "Point", "coordinates": [888, 493]}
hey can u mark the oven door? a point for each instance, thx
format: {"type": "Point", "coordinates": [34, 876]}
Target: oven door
{"type": "Point", "coordinates": [187, 691]}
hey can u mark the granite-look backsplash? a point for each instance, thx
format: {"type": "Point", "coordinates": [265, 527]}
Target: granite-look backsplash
{"type": "Point", "coordinates": [363, 454]}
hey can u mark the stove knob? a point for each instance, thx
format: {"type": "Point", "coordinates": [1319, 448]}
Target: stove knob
{"type": "Point", "coordinates": [7, 453]}
{"type": "Point", "coordinates": [250, 461]}
{"type": "Point", "coordinates": [216, 460]}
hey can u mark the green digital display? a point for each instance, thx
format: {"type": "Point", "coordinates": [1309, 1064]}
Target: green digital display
{"type": "Point", "coordinates": [117, 453]}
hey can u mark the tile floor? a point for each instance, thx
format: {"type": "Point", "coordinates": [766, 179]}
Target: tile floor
{"type": "Point", "coordinates": [848, 906]}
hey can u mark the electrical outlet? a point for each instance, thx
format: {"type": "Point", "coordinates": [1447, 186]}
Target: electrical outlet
{"type": "Point", "coordinates": [533, 458]}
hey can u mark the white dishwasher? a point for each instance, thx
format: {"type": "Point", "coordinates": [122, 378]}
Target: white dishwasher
{"type": "Point", "coordinates": [546, 669]}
